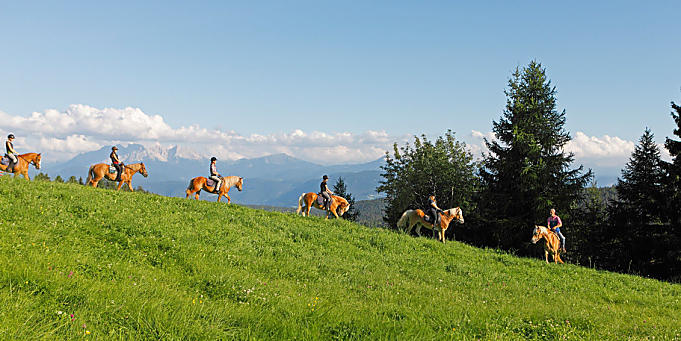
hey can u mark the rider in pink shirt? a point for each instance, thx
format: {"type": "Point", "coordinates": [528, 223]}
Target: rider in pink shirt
{"type": "Point", "coordinates": [554, 223]}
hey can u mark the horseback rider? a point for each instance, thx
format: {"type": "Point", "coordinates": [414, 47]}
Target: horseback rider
{"type": "Point", "coordinates": [215, 176]}
{"type": "Point", "coordinates": [555, 224]}
{"type": "Point", "coordinates": [433, 211]}
{"type": "Point", "coordinates": [325, 193]}
{"type": "Point", "coordinates": [116, 162]}
{"type": "Point", "coordinates": [10, 153]}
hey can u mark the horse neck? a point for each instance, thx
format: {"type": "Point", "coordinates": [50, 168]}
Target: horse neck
{"type": "Point", "coordinates": [135, 167]}
{"type": "Point", "coordinates": [231, 180]}
{"type": "Point", "coordinates": [28, 156]}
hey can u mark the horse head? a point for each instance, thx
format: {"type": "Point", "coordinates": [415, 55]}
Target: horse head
{"type": "Point", "coordinates": [343, 204]}
{"type": "Point", "coordinates": [240, 184]}
{"type": "Point", "coordinates": [36, 161]}
{"type": "Point", "coordinates": [537, 234]}
{"type": "Point", "coordinates": [143, 170]}
{"type": "Point", "coordinates": [32, 158]}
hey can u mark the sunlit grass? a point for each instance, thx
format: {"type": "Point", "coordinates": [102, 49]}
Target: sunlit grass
{"type": "Point", "coordinates": [77, 262]}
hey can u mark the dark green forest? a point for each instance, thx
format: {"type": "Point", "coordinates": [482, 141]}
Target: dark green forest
{"type": "Point", "coordinates": [632, 227]}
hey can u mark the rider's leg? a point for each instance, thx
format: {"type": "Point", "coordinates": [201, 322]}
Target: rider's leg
{"type": "Point", "coordinates": [327, 200]}
{"type": "Point", "coordinates": [218, 182]}
{"type": "Point", "coordinates": [12, 162]}
{"type": "Point", "coordinates": [119, 171]}
{"type": "Point", "coordinates": [562, 240]}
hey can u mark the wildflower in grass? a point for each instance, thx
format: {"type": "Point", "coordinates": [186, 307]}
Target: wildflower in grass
{"type": "Point", "coordinates": [70, 274]}
{"type": "Point", "coordinates": [87, 332]}
{"type": "Point", "coordinates": [60, 312]}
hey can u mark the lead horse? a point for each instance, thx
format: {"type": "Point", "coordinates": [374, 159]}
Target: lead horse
{"type": "Point", "coordinates": [411, 218]}
{"type": "Point", "coordinates": [101, 170]}
{"type": "Point", "coordinates": [22, 166]}
{"type": "Point", "coordinates": [551, 245]}
{"type": "Point", "coordinates": [201, 183]}
{"type": "Point", "coordinates": [308, 200]}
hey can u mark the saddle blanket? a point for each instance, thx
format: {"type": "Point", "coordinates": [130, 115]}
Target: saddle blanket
{"type": "Point", "coordinates": [112, 170]}
{"type": "Point", "coordinates": [211, 183]}
{"type": "Point", "coordinates": [320, 199]}
{"type": "Point", "coordinates": [4, 161]}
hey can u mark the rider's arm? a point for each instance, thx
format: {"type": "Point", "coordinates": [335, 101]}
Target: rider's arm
{"type": "Point", "coordinates": [560, 224]}
{"type": "Point", "coordinates": [11, 148]}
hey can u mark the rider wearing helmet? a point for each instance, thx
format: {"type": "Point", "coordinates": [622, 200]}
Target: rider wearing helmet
{"type": "Point", "coordinates": [116, 162]}
{"type": "Point", "coordinates": [11, 153]}
{"type": "Point", "coordinates": [325, 192]}
{"type": "Point", "coordinates": [215, 176]}
{"type": "Point", "coordinates": [433, 211]}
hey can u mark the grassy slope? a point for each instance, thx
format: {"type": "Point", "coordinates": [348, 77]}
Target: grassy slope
{"type": "Point", "coordinates": [144, 266]}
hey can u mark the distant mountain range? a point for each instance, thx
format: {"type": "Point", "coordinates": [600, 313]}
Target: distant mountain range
{"type": "Point", "coordinates": [276, 180]}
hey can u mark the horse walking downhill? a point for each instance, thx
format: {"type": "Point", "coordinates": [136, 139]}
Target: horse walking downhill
{"type": "Point", "coordinates": [308, 200]}
{"type": "Point", "coordinates": [411, 218]}
{"type": "Point", "coordinates": [201, 183]}
{"type": "Point", "coordinates": [551, 245]}
{"type": "Point", "coordinates": [22, 166]}
{"type": "Point", "coordinates": [101, 170]}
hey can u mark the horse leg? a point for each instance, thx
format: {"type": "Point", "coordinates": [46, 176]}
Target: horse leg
{"type": "Point", "coordinates": [418, 229]}
{"type": "Point", "coordinates": [229, 200]}
{"type": "Point", "coordinates": [130, 186]}
{"type": "Point", "coordinates": [120, 184]}
{"type": "Point", "coordinates": [546, 255]}
{"type": "Point", "coordinates": [219, 196]}
{"type": "Point", "coordinates": [334, 213]}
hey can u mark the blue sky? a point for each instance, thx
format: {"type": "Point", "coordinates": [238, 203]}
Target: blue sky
{"type": "Point", "coordinates": [402, 67]}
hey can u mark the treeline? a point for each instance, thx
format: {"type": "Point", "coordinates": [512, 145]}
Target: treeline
{"type": "Point", "coordinates": [632, 227]}
{"type": "Point", "coordinates": [104, 183]}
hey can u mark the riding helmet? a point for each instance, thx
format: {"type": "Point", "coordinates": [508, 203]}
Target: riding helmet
{"type": "Point", "coordinates": [213, 159]}
{"type": "Point", "coordinates": [325, 177]}
{"type": "Point", "coordinates": [114, 148]}
{"type": "Point", "coordinates": [10, 136]}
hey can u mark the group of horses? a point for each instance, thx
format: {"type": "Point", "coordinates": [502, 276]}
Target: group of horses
{"type": "Point", "coordinates": [409, 220]}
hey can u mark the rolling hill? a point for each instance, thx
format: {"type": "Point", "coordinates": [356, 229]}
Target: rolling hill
{"type": "Point", "coordinates": [78, 262]}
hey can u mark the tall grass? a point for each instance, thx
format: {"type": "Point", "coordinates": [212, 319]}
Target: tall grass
{"type": "Point", "coordinates": [77, 262]}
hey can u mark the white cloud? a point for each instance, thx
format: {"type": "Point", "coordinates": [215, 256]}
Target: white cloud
{"type": "Point", "coordinates": [81, 128]}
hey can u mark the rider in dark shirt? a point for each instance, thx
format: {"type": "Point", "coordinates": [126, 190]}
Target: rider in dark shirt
{"type": "Point", "coordinates": [116, 162]}
{"type": "Point", "coordinates": [214, 175]}
{"type": "Point", "coordinates": [433, 210]}
{"type": "Point", "coordinates": [10, 152]}
{"type": "Point", "coordinates": [325, 192]}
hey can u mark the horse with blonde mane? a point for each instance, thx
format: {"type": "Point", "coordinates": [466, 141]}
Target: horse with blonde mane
{"type": "Point", "coordinates": [22, 166]}
{"type": "Point", "coordinates": [101, 170]}
{"type": "Point", "coordinates": [201, 183]}
{"type": "Point", "coordinates": [551, 245]}
{"type": "Point", "coordinates": [308, 200]}
{"type": "Point", "coordinates": [411, 218]}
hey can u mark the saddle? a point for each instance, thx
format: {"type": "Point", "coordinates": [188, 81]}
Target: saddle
{"type": "Point", "coordinates": [4, 161]}
{"type": "Point", "coordinates": [211, 183]}
{"type": "Point", "coordinates": [112, 169]}
{"type": "Point", "coordinates": [320, 199]}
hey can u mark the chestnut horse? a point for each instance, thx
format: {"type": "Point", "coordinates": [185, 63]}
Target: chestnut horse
{"type": "Point", "coordinates": [101, 170]}
{"type": "Point", "coordinates": [22, 166]}
{"type": "Point", "coordinates": [411, 218]}
{"type": "Point", "coordinates": [199, 183]}
{"type": "Point", "coordinates": [551, 244]}
{"type": "Point", "coordinates": [310, 200]}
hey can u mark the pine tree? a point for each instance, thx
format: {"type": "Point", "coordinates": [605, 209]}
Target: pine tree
{"type": "Point", "coordinates": [640, 189]}
{"type": "Point", "coordinates": [673, 183]}
{"type": "Point", "coordinates": [42, 177]}
{"type": "Point", "coordinates": [444, 168]}
{"type": "Point", "coordinates": [527, 171]}
{"type": "Point", "coordinates": [72, 180]}
{"type": "Point", "coordinates": [59, 179]}
{"type": "Point", "coordinates": [341, 190]}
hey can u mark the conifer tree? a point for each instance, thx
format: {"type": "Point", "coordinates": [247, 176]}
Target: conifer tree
{"type": "Point", "coordinates": [673, 183]}
{"type": "Point", "coordinates": [340, 189]}
{"type": "Point", "coordinates": [640, 189]}
{"type": "Point", "coordinates": [527, 171]}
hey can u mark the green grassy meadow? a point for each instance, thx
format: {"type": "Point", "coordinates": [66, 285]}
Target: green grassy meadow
{"type": "Point", "coordinates": [79, 263]}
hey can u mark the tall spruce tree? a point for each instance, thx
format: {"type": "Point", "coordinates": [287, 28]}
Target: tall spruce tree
{"type": "Point", "coordinates": [673, 184]}
{"type": "Point", "coordinates": [340, 189]}
{"type": "Point", "coordinates": [444, 168]}
{"type": "Point", "coordinates": [640, 189]}
{"type": "Point", "coordinates": [527, 171]}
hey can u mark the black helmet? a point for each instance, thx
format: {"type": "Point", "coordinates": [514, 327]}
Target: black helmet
{"type": "Point", "coordinates": [114, 148]}
{"type": "Point", "coordinates": [213, 159]}
{"type": "Point", "coordinates": [10, 136]}
{"type": "Point", "coordinates": [325, 177]}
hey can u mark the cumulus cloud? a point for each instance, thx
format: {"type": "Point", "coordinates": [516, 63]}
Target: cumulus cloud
{"type": "Point", "coordinates": [81, 128]}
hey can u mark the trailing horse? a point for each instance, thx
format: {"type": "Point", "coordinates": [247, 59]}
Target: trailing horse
{"type": "Point", "coordinates": [22, 166]}
{"type": "Point", "coordinates": [411, 218]}
{"type": "Point", "coordinates": [201, 183]}
{"type": "Point", "coordinates": [551, 245]}
{"type": "Point", "coordinates": [101, 170]}
{"type": "Point", "coordinates": [308, 200]}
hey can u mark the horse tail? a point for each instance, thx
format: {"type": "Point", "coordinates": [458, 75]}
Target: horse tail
{"type": "Point", "coordinates": [404, 220]}
{"type": "Point", "coordinates": [300, 203]}
{"type": "Point", "coordinates": [191, 184]}
{"type": "Point", "coordinates": [90, 175]}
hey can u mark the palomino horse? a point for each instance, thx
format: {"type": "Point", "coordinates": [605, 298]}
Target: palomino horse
{"type": "Point", "coordinates": [411, 218]}
{"type": "Point", "coordinates": [551, 244]}
{"type": "Point", "coordinates": [310, 200]}
{"type": "Point", "coordinates": [22, 166]}
{"type": "Point", "coordinates": [101, 170]}
{"type": "Point", "coordinates": [200, 183]}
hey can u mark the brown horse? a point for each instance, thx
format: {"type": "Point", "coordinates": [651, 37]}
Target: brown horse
{"type": "Point", "coordinates": [310, 200]}
{"type": "Point", "coordinates": [411, 218]}
{"type": "Point", "coordinates": [22, 166]}
{"type": "Point", "coordinates": [551, 244]}
{"type": "Point", "coordinates": [101, 170]}
{"type": "Point", "coordinates": [200, 183]}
